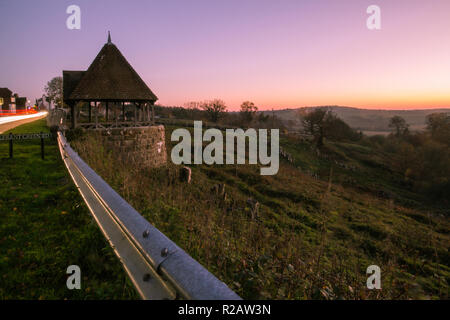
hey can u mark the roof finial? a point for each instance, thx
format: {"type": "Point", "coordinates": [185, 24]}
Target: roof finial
{"type": "Point", "coordinates": [109, 37]}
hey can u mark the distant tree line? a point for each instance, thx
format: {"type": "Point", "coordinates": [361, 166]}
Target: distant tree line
{"type": "Point", "coordinates": [216, 111]}
{"type": "Point", "coordinates": [421, 158]}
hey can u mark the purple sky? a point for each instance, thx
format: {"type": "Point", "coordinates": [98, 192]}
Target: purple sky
{"type": "Point", "coordinates": [275, 53]}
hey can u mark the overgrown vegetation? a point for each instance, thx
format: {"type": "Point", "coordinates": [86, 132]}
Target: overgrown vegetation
{"type": "Point", "coordinates": [45, 227]}
{"type": "Point", "coordinates": [318, 224]}
{"type": "Point", "coordinates": [323, 123]}
{"type": "Point", "coordinates": [422, 158]}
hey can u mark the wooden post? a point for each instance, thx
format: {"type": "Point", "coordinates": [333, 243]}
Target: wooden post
{"type": "Point", "coordinates": [96, 115]}
{"type": "Point", "coordinates": [42, 146]}
{"type": "Point", "coordinates": [135, 113]}
{"type": "Point", "coordinates": [90, 112]}
{"type": "Point", "coordinates": [72, 113]}
{"type": "Point", "coordinates": [153, 114]}
{"type": "Point", "coordinates": [74, 119]}
{"type": "Point", "coordinates": [115, 112]}
{"type": "Point", "coordinates": [107, 111]}
{"type": "Point", "coordinates": [139, 112]}
{"type": "Point", "coordinates": [123, 111]}
{"type": "Point", "coordinates": [143, 116]}
{"type": "Point", "coordinates": [10, 146]}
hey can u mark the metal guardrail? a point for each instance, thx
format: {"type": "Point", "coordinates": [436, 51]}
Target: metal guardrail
{"type": "Point", "coordinates": [158, 268]}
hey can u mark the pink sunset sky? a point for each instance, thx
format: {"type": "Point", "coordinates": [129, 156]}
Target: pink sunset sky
{"type": "Point", "coordinates": [278, 54]}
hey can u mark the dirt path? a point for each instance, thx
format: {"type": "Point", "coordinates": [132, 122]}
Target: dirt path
{"type": "Point", "coordinates": [7, 126]}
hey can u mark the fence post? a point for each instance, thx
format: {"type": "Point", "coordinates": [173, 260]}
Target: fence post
{"type": "Point", "coordinates": [42, 146]}
{"type": "Point", "coordinates": [153, 115]}
{"type": "Point", "coordinates": [10, 146]}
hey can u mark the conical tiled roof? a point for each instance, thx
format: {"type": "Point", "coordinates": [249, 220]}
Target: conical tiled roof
{"type": "Point", "coordinates": [111, 77]}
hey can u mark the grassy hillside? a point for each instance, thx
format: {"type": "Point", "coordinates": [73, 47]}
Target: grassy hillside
{"type": "Point", "coordinates": [366, 119]}
{"type": "Point", "coordinates": [322, 220]}
{"type": "Point", "coordinates": [45, 227]}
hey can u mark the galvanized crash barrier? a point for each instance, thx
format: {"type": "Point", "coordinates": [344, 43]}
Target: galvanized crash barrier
{"type": "Point", "coordinates": [158, 268]}
{"type": "Point", "coordinates": [25, 136]}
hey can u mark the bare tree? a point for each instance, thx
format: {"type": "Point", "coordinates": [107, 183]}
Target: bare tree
{"type": "Point", "coordinates": [314, 123]}
{"type": "Point", "coordinates": [399, 126]}
{"type": "Point", "coordinates": [323, 123]}
{"type": "Point", "coordinates": [214, 108]}
{"type": "Point", "coordinates": [192, 105]}
{"type": "Point", "coordinates": [248, 111]}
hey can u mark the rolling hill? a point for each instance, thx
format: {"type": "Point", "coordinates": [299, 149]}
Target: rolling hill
{"type": "Point", "coordinates": [367, 120]}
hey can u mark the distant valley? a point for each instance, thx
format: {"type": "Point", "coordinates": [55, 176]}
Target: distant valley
{"type": "Point", "coordinates": [367, 120]}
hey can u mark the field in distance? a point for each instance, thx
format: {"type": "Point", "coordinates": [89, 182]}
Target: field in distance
{"type": "Point", "coordinates": [371, 122]}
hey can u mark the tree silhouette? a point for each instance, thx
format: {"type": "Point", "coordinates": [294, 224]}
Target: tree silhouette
{"type": "Point", "coordinates": [399, 126]}
{"type": "Point", "coordinates": [248, 111]}
{"type": "Point", "coordinates": [323, 123]}
{"type": "Point", "coordinates": [214, 108]}
{"type": "Point", "coordinates": [54, 91]}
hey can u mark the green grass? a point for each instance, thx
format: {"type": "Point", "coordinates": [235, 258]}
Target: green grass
{"type": "Point", "coordinates": [312, 239]}
{"type": "Point", "coordinates": [45, 227]}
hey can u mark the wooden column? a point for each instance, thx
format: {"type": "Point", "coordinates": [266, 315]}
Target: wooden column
{"type": "Point", "coordinates": [10, 146]}
{"type": "Point", "coordinates": [139, 112]}
{"type": "Point", "coordinates": [72, 113]}
{"type": "Point", "coordinates": [135, 113]}
{"type": "Point", "coordinates": [153, 114]}
{"type": "Point", "coordinates": [96, 115]}
{"type": "Point", "coordinates": [123, 111]}
{"type": "Point", "coordinates": [90, 112]}
{"type": "Point", "coordinates": [107, 111]}
{"type": "Point", "coordinates": [75, 115]}
{"type": "Point", "coordinates": [115, 113]}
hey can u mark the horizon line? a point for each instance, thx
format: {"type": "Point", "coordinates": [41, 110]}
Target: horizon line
{"type": "Point", "coordinates": [325, 106]}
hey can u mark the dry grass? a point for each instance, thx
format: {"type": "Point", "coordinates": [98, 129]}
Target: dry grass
{"type": "Point", "coordinates": [312, 239]}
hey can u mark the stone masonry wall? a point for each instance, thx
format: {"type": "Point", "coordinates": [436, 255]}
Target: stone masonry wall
{"type": "Point", "coordinates": [140, 146]}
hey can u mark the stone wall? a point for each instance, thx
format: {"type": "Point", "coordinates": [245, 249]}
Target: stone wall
{"type": "Point", "coordinates": [140, 146]}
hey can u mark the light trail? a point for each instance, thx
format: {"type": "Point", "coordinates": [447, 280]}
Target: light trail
{"type": "Point", "coordinates": [8, 119]}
